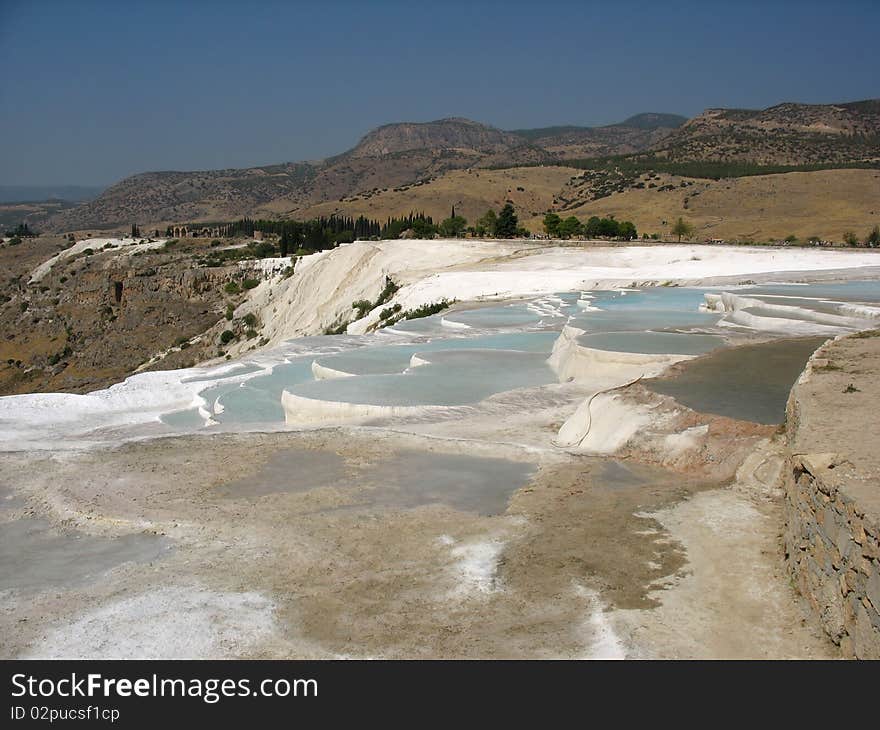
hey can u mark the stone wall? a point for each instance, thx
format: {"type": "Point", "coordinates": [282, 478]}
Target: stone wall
{"type": "Point", "coordinates": [833, 554]}
{"type": "Point", "coordinates": [832, 530]}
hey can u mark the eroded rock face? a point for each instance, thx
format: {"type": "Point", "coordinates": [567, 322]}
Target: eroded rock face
{"type": "Point", "coordinates": [94, 319]}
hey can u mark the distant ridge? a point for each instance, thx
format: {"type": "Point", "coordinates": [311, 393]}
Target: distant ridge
{"type": "Point", "coordinates": [645, 120]}
{"type": "Point", "coordinates": [784, 134]}
{"type": "Point", "coordinates": [393, 157]}
{"type": "Point", "coordinates": [653, 120]}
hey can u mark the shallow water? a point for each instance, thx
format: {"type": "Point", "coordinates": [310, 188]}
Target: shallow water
{"type": "Point", "coordinates": [822, 306]}
{"type": "Point", "coordinates": [659, 308]}
{"type": "Point", "coordinates": [502, 348]}
{"type": "Point", "coordinates": [750, 382]}
{"type": "Point", "coordinates": [505, 315]}
{"type": "Point", "coordinates": [411, 479]}
{"type": "Point", "coordinates": [396, 358]}
{"type": "Point", "coordinates": [35, 556]}
{"type": "Point", "coordinates": [848, 291]}
{"type": "Point", "coordinates": [290, 470]}
{"type": "Point", "coordinates": [8, 500]}
{"type": "Point", "coordinates": [451, 377]}
{"type": "Point", "coordinates": [654, 343]}
{"type": "Point", "coordinates": [613, 473]}
{"type": "Point", "coordinates": [400, 480]}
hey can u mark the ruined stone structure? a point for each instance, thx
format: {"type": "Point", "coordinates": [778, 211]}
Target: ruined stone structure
{"type": "Point", "coordinates": [185, 231]}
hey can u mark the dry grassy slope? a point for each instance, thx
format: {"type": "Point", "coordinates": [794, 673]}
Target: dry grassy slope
{"type": "Point", "coordinates": [389, 157]}
{"type": "Point", "coordinates": [399, 154]}
{"type": "Point", "coordinates": [471, 191]}
{"type": "Point", "coordinates": [601, 141]}
{"type": "Point", "coordinates": [765, 207]}
{"type": "Point", "coordinates": [33, 213]}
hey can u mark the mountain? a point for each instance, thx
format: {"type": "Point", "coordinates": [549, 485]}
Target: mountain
{"type": "Point", "coordinates": [387, 157]}
{"type": "Point", "coordinates": [395, 157]}
{"type": "Point", "coordinates": [638, 133]}
{"type": "Point", "coordinates": [445, 134]}
{"type": "Point", "coordinates": [787, 134]}
{"type": "Point", "coordinates": [652, 120]}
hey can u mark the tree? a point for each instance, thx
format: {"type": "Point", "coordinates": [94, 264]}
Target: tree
{"type": "Point", "coordinates": [486, 224]}
{"type": "Point", "coordinates": [507, 223]}
{"type": "Point", "coordinates": [453, 227]}
{"type": "Point", "coordinates": [593, 229]}
{"type": "Point", "coordinates": [608, 227]}
{"type": "Point", "coordinates": [873, 239]}
{"type": "Point", "coordinates": [570, 227]}
{"type": "Point", "coordinates": [423, 228]}
{"type": "Point", "coordinates": [850, 238]}
{"type": "Point", "coordinates": [682, 228]}
{"type": "Point", "coordinates": [135, 231]}
{"type": "Point", "coordinates": [551, 224]}
{"type": "Point", "coordinates": [627, 230]}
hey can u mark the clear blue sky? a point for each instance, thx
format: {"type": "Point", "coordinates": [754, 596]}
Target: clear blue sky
{"type": "Point", "coordinates": [91, 91]}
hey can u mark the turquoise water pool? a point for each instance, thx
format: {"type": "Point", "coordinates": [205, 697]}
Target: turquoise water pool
{"type": "Point", "coordinates": [653, 343]}
{"type": "Point", "coordinates": [490, 349]}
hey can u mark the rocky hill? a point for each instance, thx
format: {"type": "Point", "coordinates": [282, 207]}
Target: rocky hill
{"type": "Point", "coordinates": [388, 157]}
{"type": "Point", "coordinates": [446, 134]}
{"type": "Point", "coordinates": [787, 134]}
{"type": "Point", "coordinates": [636, 134]}
{"type": "Point", "coordinates": [392, 155]}
{"type": "Point", "coordinates": [399, 155]}
{"type": "Point", "coordinates": [94, 318]}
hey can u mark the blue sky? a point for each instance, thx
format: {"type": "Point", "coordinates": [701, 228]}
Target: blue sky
{"type": "Point", "coordinates": [91, 91]}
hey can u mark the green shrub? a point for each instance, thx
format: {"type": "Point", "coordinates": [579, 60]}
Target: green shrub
{"type": "Point", "coordinates": [426, 310]}
{"type": "Point", "coordinates": [232, 288]}
{"type": "Point", "coordinates": [250, 319]}
{"type": "Point", "coordinates": [250, 283]}
{"type": "Point", "coordinates": [391, 288]}
{"type": "Point", "coordinates": [227, 336]}
{"type": "Point", "coordinates": [263, 249]}
{"type": "Point", "coordinates": [230, 309]}
{"type": "Point", "coordinates": [388, 311]}
{"type": "Point", "coordinates": [362, 306]}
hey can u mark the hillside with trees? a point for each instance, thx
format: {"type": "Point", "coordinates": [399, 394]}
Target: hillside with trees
{"type": "Point", "coordinates": [387, 171]}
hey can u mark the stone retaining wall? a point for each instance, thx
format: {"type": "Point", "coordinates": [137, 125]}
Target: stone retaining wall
{"type": "Point", "coordinates": [832, 524]}
{"type": "Point", "coordinates": [833, 554]}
